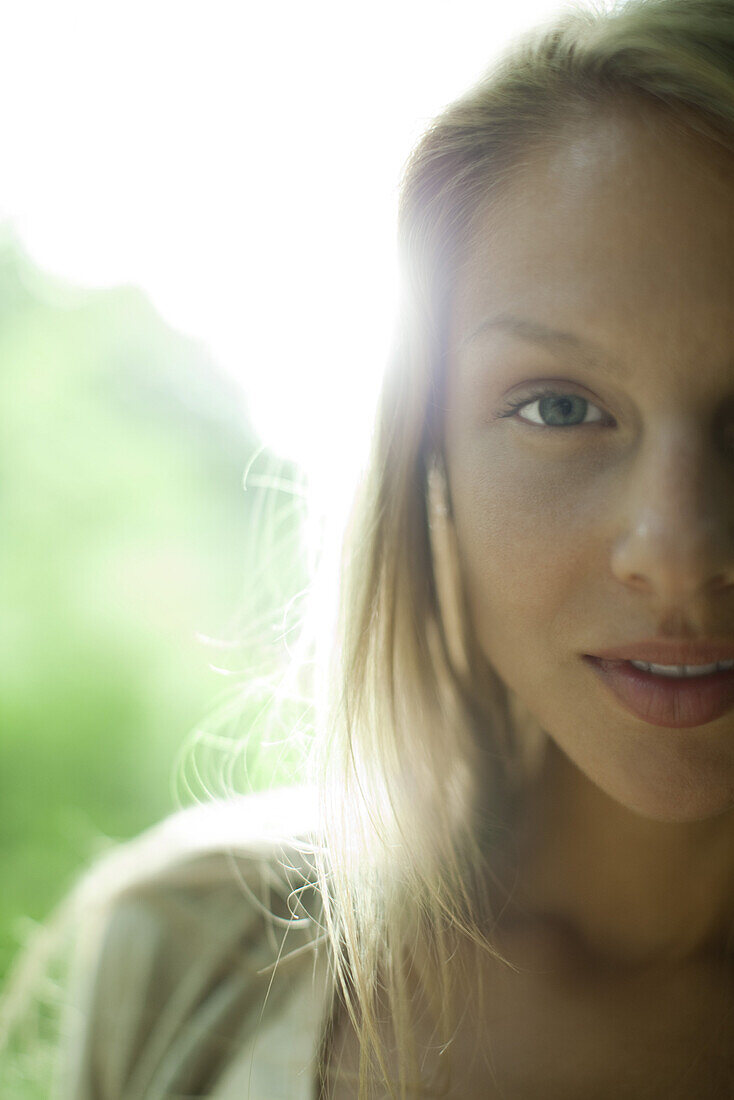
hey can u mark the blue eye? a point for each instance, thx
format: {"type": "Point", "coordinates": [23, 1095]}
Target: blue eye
{"type": "Point", "coordinates": [554, 410]}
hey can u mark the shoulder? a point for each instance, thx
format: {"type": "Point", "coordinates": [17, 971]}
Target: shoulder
{"type": "Point", "coordinates": [200, 847]}
{"type": "Point", "coordinates": [178, 935]}
{"type": "Point", "coordinates": [247, 859]}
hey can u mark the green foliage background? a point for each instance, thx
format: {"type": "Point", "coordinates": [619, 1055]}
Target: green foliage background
{"type": "Point", "coordinates": [125, 533]}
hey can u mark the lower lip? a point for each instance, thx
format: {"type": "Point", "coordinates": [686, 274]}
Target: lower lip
{"type": "Point", "coordinates": [664, 701]}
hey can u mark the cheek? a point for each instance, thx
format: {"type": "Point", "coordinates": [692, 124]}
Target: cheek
{"type": "Point", "coordinates": [526, 531]}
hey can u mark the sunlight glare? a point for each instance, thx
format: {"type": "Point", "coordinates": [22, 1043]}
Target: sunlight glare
{"type": "Point", "coordinates": [240, 164]}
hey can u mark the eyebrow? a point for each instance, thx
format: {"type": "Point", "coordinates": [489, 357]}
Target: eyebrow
{"type": "Point", "coordinates": [556, 340]}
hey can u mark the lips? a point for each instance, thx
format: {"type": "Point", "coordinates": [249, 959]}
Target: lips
{"type": "Point", "coordinates": [669, 651]}
{"type": "Point", "coordinates": [678, 703]}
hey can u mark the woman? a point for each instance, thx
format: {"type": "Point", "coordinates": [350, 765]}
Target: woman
{"type": "Point", "coordinates": [519, 882]}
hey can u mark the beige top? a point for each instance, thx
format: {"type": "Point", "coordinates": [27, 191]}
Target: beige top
{"type": "Point", "coordinates": [175, 991]}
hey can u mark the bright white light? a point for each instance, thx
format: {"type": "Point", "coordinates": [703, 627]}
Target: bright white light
{"type": "Point", "coordinates": [240, 163]}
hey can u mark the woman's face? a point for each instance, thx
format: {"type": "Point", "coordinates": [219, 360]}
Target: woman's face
{"type": "Point", "coordinates": [604, 515]}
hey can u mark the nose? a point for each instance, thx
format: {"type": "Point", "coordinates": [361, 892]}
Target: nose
{"type": "Point", "coordinates": [677, 532]}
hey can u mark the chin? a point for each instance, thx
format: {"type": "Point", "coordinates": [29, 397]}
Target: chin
{"type": "Point", "coordinates": [672, 777]}
{"type": "Point", "coordinates": [684, 802]}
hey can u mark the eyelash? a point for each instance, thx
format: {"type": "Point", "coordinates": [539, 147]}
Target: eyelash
{"type": "Point", "coordinates": [512, 408]}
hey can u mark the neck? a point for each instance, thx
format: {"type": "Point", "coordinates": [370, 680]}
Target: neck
{"type": "Point", "coordinates": [628, 889]}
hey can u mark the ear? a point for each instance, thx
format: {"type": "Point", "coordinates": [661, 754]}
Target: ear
{"type": "Point", "coordinates": [437, 484]}
{"type": "Point", "coordinates": [445, 559]}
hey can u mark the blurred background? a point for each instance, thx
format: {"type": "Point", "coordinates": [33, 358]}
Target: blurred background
{"type": "Point", "coordinates": [197, 290]}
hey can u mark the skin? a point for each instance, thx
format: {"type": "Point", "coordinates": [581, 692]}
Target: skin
{"type": "Point", "coordinates": [575, 539]}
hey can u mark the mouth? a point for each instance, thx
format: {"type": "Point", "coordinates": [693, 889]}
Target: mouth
{"type": "Point", "coordinates": [666, 696]}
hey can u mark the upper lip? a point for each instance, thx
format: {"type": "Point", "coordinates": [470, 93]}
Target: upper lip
{"type": "Point", "coordinates": [671, 651]}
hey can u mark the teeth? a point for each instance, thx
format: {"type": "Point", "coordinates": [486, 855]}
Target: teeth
{"type": "Point", "coordinates": [683, 670]}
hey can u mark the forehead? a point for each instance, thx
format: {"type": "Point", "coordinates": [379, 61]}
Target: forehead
{"type": "Point", "coordinates": [624, 223]}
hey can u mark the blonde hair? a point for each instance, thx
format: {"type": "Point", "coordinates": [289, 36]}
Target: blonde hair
{"type": "Point", "coordinates": [425, 754]}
